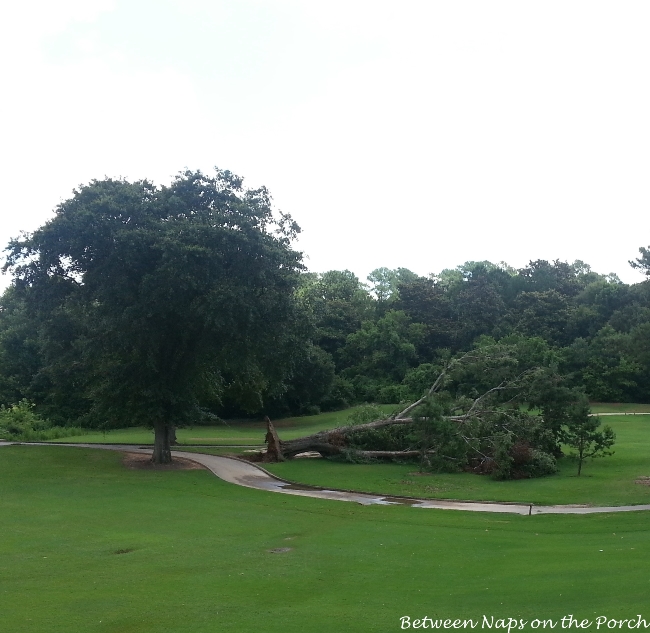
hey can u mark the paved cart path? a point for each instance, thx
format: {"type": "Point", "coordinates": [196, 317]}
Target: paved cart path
{"type": "Point", "coordinates": [242, 473]}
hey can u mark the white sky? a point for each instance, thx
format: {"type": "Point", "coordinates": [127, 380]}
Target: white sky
{"type": "Point", "coordinates": [416, 133]}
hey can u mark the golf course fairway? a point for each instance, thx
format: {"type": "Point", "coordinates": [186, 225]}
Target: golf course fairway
{"type": "Point", "coordinates": [89, 545]}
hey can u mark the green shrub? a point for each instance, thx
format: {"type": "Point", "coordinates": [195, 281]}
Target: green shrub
{"type": "Point", "coordinates": [392, 394]}
{"type": "Point", "coordinates": [541, 464]}
{"type": "Point", "coordinates": [366, 413]}
{"type": "Point", "coordinates": [19, 423]}
{"type": "Point", "coordinates": [18, 419]}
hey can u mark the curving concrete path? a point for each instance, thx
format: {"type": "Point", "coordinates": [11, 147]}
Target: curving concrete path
{"type": "Point", "coordinates": [243, 473]}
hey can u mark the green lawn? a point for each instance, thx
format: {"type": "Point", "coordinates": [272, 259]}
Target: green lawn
{"type": "Point", "coordinates": [252, 433]}
{"type": "Point", "coordinates": [228, 433]}
{"type": "Point", "coordinates": [88, 545]}
{"type": "Point", "coordinates": [619, 407]}
{"type": "Point", "coordinates": [605, 481]}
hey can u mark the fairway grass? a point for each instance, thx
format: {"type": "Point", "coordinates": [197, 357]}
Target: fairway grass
{"type": "Point", "coordinates": [604, 481]}
{"type": "Point", "coordinates": [619, 407]}
{"type": "Point", "coordinates": [88, 545]}
{"type": "Point", "coordinates": [246, 432]}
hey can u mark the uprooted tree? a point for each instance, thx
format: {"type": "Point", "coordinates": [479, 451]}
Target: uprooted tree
{"type": "Point", "coordinates": [487, 411]}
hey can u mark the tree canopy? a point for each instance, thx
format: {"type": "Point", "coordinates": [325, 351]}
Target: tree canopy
{"type": "Point", "coordinates": [154, 300]}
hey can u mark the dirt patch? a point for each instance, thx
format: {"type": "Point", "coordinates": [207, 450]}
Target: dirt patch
{"type": "Point", "coordinates": [644, 481]}
{"type": "Point", "coordinates": [142, 461]}
{"type": "Point", "coordinates": [279, 550]}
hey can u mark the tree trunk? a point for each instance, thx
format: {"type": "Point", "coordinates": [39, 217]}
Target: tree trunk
{"type": "Point", "coordinates": [172, 436]}
{"type": "Point", "coordinates": [161, 448]}
{"type": "Point", "coordinates": [273, 451]}
{"type": "Point", "coordinates": [327, 443]}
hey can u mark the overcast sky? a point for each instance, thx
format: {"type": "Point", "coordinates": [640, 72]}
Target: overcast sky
{"type": "Point", "coordinates": [419, 134]}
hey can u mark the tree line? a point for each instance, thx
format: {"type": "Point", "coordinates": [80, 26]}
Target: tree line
{"type": "Point", "coordinates": [383, 339]}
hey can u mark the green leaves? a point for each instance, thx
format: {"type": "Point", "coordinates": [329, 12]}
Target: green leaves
{"type": "Point", "coordinates": [643, 262]}
{"type": "Point", "coordinates": [581, 433]}
{"type": "Point", "coordinates": [171, 295]}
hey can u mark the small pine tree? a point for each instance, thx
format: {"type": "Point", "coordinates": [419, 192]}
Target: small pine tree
{"type": "Point", "coordinates": [581, 433]}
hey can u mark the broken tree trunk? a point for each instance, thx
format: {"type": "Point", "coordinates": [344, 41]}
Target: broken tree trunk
{"type": "Point", "coordinates": [273, 450]}
{"type": "Point", "coordinates": [327, 443]}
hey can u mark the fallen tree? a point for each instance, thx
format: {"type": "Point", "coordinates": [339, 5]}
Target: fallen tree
{"type": "Point", "coordinates": [454, 425]}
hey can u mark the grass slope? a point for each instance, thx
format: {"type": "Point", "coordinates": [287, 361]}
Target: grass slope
{"type": "Point", "coordinates": [619, 407]}
{"type": "Point", "coordinates": [196, 556]}
{"type": "Point", "coordinates": [605, 481]}
{"type": "Point", "coordinates": [228, 433]}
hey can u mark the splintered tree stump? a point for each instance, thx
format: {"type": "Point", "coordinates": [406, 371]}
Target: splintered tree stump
{"type": "Point", "coordinates": [273, 450]}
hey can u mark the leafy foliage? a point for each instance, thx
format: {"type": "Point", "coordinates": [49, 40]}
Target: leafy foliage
{"type": "Point", "coordinates": [19, 423]}
{"type": "Point", "coordinates": [643, 262]}
{"type": "Point", "coordinates": [442, 448]}
{"type": "Point", "coordinates": [581, 433]}
{"type": "Point", "coordinates": [380, 353]}
{"type": "Point", "coordinates": [164, 299]}
{"type": "Point", "coordinates": [366, 413]}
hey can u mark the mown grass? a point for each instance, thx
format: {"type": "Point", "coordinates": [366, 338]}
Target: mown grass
{"type": "Point", "coordinates": [88, 545]}
{"type": "Point", "coordinates": [229, 433]}
{"type": "Point", "coordinates": [619, 407]}
{"type": "Point", "coordinates": [252, 433]}
{"type": "Point", "coordinates": [605, 481]}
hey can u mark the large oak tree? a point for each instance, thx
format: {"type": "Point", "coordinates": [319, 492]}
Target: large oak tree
{"type": "Point", "coordinates": [160, 299]}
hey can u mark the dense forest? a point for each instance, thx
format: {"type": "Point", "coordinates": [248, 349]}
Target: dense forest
{"type": "Point", "coordinates": [184, 304]}
{"type": "Point", "coordinates": [380, 341]}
